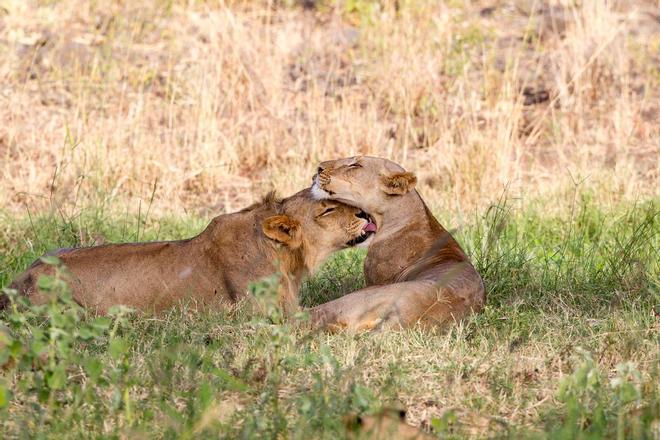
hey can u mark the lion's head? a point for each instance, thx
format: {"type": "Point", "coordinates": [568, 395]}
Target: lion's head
{"type": "Point", "coordinates": [317, 228]}
{"type": "Point", "coordinates": [306, 231]}
{"type": "Point", "coordinates": [371, 183]}
{"type": "Point", "coordinates": [389, 423]}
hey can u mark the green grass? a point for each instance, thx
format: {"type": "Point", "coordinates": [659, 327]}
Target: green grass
{"type": "Point", "coordinates": [567, 346]}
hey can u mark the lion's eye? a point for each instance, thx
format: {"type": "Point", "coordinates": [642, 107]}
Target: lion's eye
{"type": "Point", "coordinates": [355, 165]}
{"type": "Point", "coordinates": [326, 212]}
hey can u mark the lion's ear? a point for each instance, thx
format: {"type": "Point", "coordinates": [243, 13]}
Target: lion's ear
{"type": "Point", "coordinates": [282, 229]}
{"type": "Point", "coordinates": [398, 183]}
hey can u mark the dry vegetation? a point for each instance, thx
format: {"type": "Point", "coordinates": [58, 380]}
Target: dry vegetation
{"type": "Point", "coordinates": [110, 109]}
{"type": "Point", "coordinates": [213, 103]}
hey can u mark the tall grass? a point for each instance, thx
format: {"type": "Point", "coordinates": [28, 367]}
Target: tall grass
{"type": "Point", "coordinates": [129, 121]}
{"type": "Point", "coordinates": [567, 346]}
{"type": "Point", "coordinates": [212, 103]}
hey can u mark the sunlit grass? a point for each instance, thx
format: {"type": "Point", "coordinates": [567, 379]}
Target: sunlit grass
{"type": "Point", "coordinates": [135, 121]}
{"type": "Point", "coordinates": [207, 105]}
{"type": "Point", "coordinates": [566, 346]}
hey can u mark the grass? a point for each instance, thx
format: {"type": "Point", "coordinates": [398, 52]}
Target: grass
{"type": "Point", "coordinates": [215, 102]}
{"type": "Point", "coordinates": [567, 346]}
{"type": "Point", "coordinates": [127, 121]}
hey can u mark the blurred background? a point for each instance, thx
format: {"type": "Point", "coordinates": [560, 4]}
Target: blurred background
{"type": "Point", "coordinates": [203, 106]}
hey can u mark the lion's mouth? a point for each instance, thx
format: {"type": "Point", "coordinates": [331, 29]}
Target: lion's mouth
{"type": "Point", "coordinates": [368, 230]}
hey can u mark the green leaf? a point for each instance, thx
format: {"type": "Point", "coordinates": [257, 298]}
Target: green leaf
{"type": "Point", "coordinates": [102, 323]}
{"type": "Point", "coordinates": [362, 397]}
{"type": "Point", "coordinates": [230, 382]}
{"type": "Point", "coordinates": [120, 310]}
{"type": "Point", "coordinates": [205, 394]}
{"type": "Point", "coordinates": [628, 393]}
{"type": "Point", "coordinates": [444, 423]}
{"type": "Point", "coordinates": [15, 348]}
{"type": "Point", "coordinates": [118, 348]}
{"type": "Point", "coordinates": [86, 333]}
{"type": "Point", "coordinates": [43, 393]}
{"type": "Point", "coordinates": [38, 347]}
{"type": "Point", "coordinates": [93, 368]}
{"type": "Point", "coordinates": [46, 282]}
{"type": "Point", "coordinates": [57, 379]}
{"type": "Point", "coordinates": [5, 395]}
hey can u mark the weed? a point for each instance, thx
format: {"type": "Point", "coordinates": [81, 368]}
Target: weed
{"type": "Point", "coordinates": [554, 283]}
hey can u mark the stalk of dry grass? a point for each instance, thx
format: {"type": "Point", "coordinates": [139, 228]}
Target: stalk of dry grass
{"type": "Point", "coordinates": [214, 103]}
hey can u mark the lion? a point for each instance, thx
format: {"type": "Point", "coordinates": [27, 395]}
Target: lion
{"type": "Point", "coordinates": [390, 423]}
{"type": "Point", "coordinates": [415, 270]}
{"type": "Point", "coordinates": [214, 267]}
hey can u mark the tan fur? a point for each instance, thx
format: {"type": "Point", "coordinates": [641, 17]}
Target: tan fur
{"type": "Point", "coordinates": [415, 270]}
{"type": "Point", "coordinates": [213, 268]}
{"type": "Point", "coordinates": [387, 424]}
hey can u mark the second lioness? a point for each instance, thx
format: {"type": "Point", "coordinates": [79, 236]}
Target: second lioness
{"type": "Point", "coordinates": [293, 235]}
{"type": "Point", "coordinates": [416, 271]}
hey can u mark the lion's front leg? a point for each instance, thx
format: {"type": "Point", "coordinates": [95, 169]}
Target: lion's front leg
{"type": "Point", "coordinates": [335, 319]}
{"type": "Point", "coordinates": [392, 306]}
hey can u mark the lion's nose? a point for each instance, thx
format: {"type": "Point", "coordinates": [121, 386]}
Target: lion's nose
{"type": "Point", "coordinates": [319, 170]}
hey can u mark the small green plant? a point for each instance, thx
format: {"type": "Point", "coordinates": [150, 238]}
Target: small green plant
{"type": "Point", "coordinates": [42, 347]}
{"type": "Point", "coordinates": [581, 392]}
{"type": "Point", "coordinates": [596, 407]}
{"type": "Point", "coordinates": [554, 282]}
{"type": "Point", "coordinates": [42, 338]}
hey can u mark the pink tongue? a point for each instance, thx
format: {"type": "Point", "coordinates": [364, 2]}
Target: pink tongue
{"type": "Point", "coordinates": [369, 227]}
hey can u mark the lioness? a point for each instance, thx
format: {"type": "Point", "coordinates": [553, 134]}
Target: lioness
{"type": "Point", "coordinates": [216, 265]}
{"type": "Point", "coordinates": [417, 271]}
{"type": "Point", "coordinates": [387, 424]}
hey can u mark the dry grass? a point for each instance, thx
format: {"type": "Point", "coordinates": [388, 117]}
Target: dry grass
{"type": "Point", "coordinates": [205, 105]}
{"type": "Point", "coordinates": [567, 347]}
{"type": "Point", "coordinates": [213, 103]}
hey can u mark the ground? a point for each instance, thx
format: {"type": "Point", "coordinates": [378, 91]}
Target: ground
{"type": "Point", "coordinates": [532, 126]}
